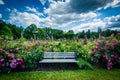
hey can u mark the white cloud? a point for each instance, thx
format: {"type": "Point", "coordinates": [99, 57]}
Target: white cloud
{"type": "Point", "coordinates": [8, 9]}
{"type": "Point", "coordinates": [113, 18]}
{"type": "Point", "coordinates": [115, 28]}
{"type": "Point", "coordinates": [112, 23]}
{"type": "Point", "coordinates": [24, 18]}
{"type": "Point", "coordinates": [57, 8]}
{"type": "Point", "coordinates": [59, 15]}
{"type": "Point", "coordinates": [34, 10]}
{"type": "Point", "coordinates": [1, 2]}
{"type": "Point", "coordinates": [66, 19]}
{"type": "Point", "coordinates": [80, 6]}
{"type": "Point", "coordinates": [0, 15]}
{"type": "Point", "coordinates": [93, 26]}
{"type": "Point", "coordinates": [114, 3]}
{"type": "Point", "coordinates": [43, 1]}
{"type": "Point", "coordinates": [31, 9]}
{"type": "Point", "coordinates": [63, 13]}
{"type": "Point", "coordinates": [52, 1]}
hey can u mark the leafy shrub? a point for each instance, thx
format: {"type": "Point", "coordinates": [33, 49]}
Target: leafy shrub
{"type": "Point", "coordinates": [21, 40]}
{"type": "Point", "coordinates": [63, 46]}
{"type": "Point", "coordinates": [8, 60]}
{"type": "Point", "coordinates": [85, 51]}
{"type": "Point", "coordinates": [107, 52]}
{"type": "Point", "coordinates": [6, 44]}
{"type": "Point", "coordinates": [31, 58]}
{"type": "Point", "coordinates": [118, 36]}
{"type": "Point", "coordinates": [84, 64]}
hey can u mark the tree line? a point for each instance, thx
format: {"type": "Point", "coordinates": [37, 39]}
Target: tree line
{"type": "Point", "coordinates": [10, 31]}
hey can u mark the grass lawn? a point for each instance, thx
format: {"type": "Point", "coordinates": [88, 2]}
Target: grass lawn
{"type": "Point", "coordinates": [100, 74]}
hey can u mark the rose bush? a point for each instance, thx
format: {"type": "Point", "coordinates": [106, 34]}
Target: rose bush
{"type": "Point", "coordinates": [8, 60]}
{"type": "Point", "coordinates": [107, 52]}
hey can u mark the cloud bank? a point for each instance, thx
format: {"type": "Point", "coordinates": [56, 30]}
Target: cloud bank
{"type": "Point", "coordinates": [0, 15]}
{"type": "Point", "coordinates": [62, 13]}
{"type": "Point", "coordinates": [1, 2]}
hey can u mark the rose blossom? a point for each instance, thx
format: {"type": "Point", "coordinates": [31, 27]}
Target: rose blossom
{"type": "Point", "coordinates": [11, 55]}
{"type": "Point", "coordinates": [2, 60]}
{"type": "Point", "coordinates": [1, 49]}
{"type": "Point", "coordinates": [94, 55]}
{"type": "Point", "coordinates": [94, 50]}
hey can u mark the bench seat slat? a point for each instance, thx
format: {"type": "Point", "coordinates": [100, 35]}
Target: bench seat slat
{"type": "Point", "coordinates": [61, 57]}
{"type": "Point", "coordinates": [58, 57]}
{"type": "Point", "coordinates": [58, 61]}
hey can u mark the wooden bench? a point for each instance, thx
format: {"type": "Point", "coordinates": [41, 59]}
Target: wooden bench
{"type": "Point", "coordinates": [58, 57]}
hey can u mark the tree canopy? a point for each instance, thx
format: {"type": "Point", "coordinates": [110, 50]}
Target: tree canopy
{"type": "Point", "coordinates": [34, 32]}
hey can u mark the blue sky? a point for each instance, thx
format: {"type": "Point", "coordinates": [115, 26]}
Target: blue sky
{"type": "Point", "coordinates": [66, 15]}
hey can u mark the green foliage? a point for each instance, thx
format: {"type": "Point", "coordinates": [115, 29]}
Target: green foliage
{"type": "Point", "coordinates": [8, 60]}
{"type": "Point", "coordinates": [70, 35]}
{"type": "Point", "coordinates": [58, 34]}
{"type": "Point", "coordinates": [64, 46]}
{"type": "Point", "coordinates": [6, 32]}
{"type": "Point", "coordinates": [6, 44]}
{"type": "Point", "coordinates": [40, 34]}
{"type": "Point", "coordinates": [84, 64]}
{"type": "Point", "coordinates": [31, 58]}
{"type": "Point", "coordinates": [107, 52]}
{"type": "Point", "coordinates": [30, 31]}
{"type": "Point", "coordinates": [21, 40]}
{"type": "Point", "coordinates": [11, 31]}
{"type": "Point", "coordinates": [16, 31]}
{"type": "Point", "coordinates": [31, 50]}
{"type": "Point", "coordinates": [81, 34]}
{"type": "Point", "coordinates": [118, 36]}
{"type": "Point", "coordinates": [85, 51]}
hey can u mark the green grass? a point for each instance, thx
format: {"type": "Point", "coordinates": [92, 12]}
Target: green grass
{"type": "Point", "coordinates": [100, 74]}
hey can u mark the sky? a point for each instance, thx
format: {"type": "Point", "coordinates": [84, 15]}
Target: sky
{"type": "Point", "coordinates": [76, 15]}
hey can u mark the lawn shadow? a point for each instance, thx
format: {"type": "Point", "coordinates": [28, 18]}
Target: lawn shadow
{"type": "Point", "coordinates": [57, 66]}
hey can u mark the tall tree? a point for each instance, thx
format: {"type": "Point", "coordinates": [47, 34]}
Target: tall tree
{"type": "Point", "coordinates": [41, 33]}
{"type": "Point", "coordinates": [5, 31]}
{"type": "Point", "coordinates": [88, 33]}
{"type": "Point", "coordinates": [57, 34]}
{"type": "Point", "coordinates": [15, 30]}
{"type": "Point", "coordinates": [30, 31]}
{"type": "Point", "coordinates": [70, 34]}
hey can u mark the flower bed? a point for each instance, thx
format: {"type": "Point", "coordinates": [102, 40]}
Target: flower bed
{"type": "Point", "coordinates": [25, 55]}
{"type": "Point", "coordinates": [107, 52]}
{"type": "Point", "coordinates": [8, 60]}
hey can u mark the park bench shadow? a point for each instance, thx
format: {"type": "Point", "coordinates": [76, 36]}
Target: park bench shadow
{"type": "Point", "coordinates": [57, 66]}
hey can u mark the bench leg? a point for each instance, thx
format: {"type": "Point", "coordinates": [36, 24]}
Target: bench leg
{"type": "Point", "coordinates": [41, 66]}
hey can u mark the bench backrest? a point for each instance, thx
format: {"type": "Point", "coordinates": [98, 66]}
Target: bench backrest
{"type": "Point", "coordinates": [59, 55]}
